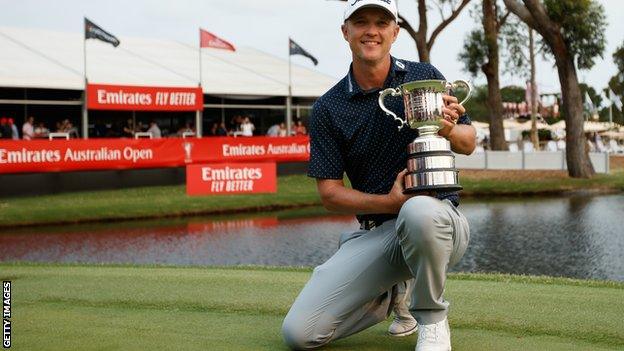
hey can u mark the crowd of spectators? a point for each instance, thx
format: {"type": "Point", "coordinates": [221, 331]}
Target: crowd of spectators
{"type": "Point", "coordinates": [31, 130]}
{"type": "Point", "coordinates": [239, 125]}
{"type": "Point", "coordinates": [280, 130]}
{"type": "Point", "coordinates": [8, 130]}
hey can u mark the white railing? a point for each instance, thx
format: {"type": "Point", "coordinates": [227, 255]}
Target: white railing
{"type": "Point", "coordinates": [139, 135]}
{"type": "Point", "coordinates": [536, 160]}
{"type": "Point", "coordinates": [58, 135]}
{"type": "Point", "coordinates": [188, 134]}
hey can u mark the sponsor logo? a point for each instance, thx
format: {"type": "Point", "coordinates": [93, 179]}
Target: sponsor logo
{"type": "Point", "coordinates": [386, 1]}
{"type": "Point", "coordinates": [25, 156]}
{"type": "Point", "coordinates": [188, 147]}
{"type": "Point", "coordinates": [262, 150]}
{"type": "Point", "coordinates": [231, 178]}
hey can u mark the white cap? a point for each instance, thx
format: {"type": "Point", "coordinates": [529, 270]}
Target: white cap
{"type": "Point", "coordinates": [388, 5]}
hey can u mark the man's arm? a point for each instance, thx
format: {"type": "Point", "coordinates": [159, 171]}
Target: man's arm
{"type": "Point", "coordinates": [336, 197]}
{"type": "Point", "coordinates": [463, 138]}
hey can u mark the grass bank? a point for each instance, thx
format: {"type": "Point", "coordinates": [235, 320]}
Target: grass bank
{"type": "Point", "coordinates": [293, 191]}
{"type": "Point", "coordinates": [71, 307]}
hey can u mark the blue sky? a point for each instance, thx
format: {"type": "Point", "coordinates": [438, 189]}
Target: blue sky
{"type": "Point", "coordinates": [266, 25]}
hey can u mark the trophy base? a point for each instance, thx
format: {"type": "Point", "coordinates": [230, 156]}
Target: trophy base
{"type": "Point", "coordinates": [436, 188]}
{"type": "Point", "coordinates": [442, 180]}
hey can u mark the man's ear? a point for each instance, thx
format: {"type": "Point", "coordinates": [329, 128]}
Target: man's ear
{"type": "Point", "coordinates": [343, 28]}
{"type": "Point", "coordinates": [396, 32]}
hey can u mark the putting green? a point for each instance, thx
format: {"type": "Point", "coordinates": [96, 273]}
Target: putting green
{"type": "Point", "coordinates": [71, 307]}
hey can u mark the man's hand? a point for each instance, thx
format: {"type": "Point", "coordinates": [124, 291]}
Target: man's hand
{"type": "Point", "coordinates": [452, 111]}
{"type": "Point", "coordinates": [395, 197]}
{"type": "Point", "coordinates": [338, 198]}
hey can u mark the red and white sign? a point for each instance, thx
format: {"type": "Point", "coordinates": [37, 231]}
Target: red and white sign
{"type": "Point", "coordinates": [135, 98]}
{"type": "Point", "coordinates": [231, 178]}
{"type": "Point", "coordinates": [98, 154]}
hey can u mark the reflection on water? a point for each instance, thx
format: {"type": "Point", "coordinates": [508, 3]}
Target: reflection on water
{"type": "Point", "coordinates": [578, 236]}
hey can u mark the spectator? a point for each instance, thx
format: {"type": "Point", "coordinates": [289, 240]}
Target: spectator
{"type": "Point", "coordinates": [115, 130]}
{"type": "Point", "coordinates": [186, 129]}
{"type": "Point", "coordinates": [68, 127]}
{"type": "Point", "coordinates": [139, 127]}
{"type": "Point", "coordinates": [14, 132]}
{"type": "Point", "coordinates": [273, 131]}
{"type": "Point", "coordinates": [28, 130]}
{"type": "Point", "coordinates": [41, 131]}
{"type": "Point", "coordinates": [99, 129]}
{"type": "Point", "coordinates": [300, 129]}
{"type": "Point", "coordinates": [247, 128]}
{"type": "Point", "coordinates": [282, 130]}
{"type": "Point", "coordinates": [213, 129]}
{"type": "Point", "coordinates": [222, 130]}
{"type": "Point", "coordinates": [236, 123]}
{"type": "Point", "coordinates": [128, 129]}
{"type": "Point", "coordinates": [5, 129]}
{"type": "Point", "coordinates": [155, 130]}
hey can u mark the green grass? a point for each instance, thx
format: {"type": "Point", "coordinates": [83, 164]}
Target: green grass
{"type": "Point", "coordinates": [123, 307]}
{"type": "Point", "coordinates": [149, 202]}
{"type": "Point", "coordinates": [613, 182]}
{"type": "Point", "coordinates": [293, 191]}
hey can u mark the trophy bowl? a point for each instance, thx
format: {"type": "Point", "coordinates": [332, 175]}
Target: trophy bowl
{"type": "Point", "coordinates": [431, 163]}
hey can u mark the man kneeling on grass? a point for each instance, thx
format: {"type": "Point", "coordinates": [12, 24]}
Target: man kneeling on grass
{"type": "Point", "coordinates": [405, 243]}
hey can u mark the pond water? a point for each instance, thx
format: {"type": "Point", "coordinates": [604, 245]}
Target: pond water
{"type": "Point", "coordinates": [577, 236]}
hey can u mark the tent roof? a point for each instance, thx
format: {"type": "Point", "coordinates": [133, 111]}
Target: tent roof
{"type": "Point", "coordinates": [35, 58]}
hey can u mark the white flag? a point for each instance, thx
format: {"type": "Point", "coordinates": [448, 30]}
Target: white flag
{"type": "Point", "coordinates": [589, 105]}
{"type": "Point", "coordinates": [615, 99]}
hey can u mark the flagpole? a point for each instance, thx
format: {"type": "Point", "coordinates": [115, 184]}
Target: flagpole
{"type": "Point", "coordinates": [198, 113]}
{"type": "Point", "coordinates": [85, 110]}
{"type": "Point", "coordinates": [289, 98]}
{"type": "Point", "coordinates": [610, 109]}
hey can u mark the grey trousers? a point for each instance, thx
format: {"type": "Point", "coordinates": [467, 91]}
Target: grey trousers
{"type": "Point", "coordinates": [356, 287]}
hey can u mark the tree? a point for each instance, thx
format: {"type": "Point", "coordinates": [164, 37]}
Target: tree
{"type": "Point", "coordinates": [481, 52]}
{"type": "Point", "coordinates": [573, 31]}
{"type": "Point", "coordinates": [449, 10]}
{"type": "Point", "coordinates": [523, 47]}
{"type": "Point", "coordinates": [616, 85]}
{"type": "Point", "coordinates": [595, 98]}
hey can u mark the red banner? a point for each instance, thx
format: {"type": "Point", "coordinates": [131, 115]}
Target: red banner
{"type": "Point", "coordinates": [97, 154]}
{"type": "Point", "coordinates": [231, 178]}
{"type": "Point", "coordinates": [135, 98]}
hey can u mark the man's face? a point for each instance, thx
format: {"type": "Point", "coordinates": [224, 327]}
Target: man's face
{"type": "Point", "coordinates": [370, 33]}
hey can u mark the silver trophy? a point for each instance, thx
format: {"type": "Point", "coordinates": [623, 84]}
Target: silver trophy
{"type": "Point", "coordinates": [430, 164]}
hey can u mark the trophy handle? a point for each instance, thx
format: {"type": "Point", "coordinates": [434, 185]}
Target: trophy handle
{"type": "Point", "coordinates": [382, 96]}
{"type": "Point", "coordinates": [467, 85]}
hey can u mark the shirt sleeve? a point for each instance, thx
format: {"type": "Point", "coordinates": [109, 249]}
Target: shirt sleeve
{"type": "Point", "coordinates": [435, 74]}
{"type": "Point", "coordinates": [325, 156]}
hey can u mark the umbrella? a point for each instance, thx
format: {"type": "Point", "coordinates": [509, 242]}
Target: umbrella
{"type": "Point", "coordinates": [613, 134]}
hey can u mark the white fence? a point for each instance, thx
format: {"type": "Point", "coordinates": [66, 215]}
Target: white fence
{"type": "Point", "coordinates": [542, 160]}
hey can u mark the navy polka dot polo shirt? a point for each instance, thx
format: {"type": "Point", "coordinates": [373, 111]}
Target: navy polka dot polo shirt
{"type": "Point", "coordinates": [349, 133]}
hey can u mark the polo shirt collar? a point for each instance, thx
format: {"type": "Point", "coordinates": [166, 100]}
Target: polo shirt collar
{"type": "Point", "coordinates": [352, 88]}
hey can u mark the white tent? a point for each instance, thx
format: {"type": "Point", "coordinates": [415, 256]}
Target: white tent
{"type": "Point", "coordinates": [34, 58]}
{"type": "Point", "coordinates": [480, 125]}
{"type": "Point", "coordinates": [588, 126]}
